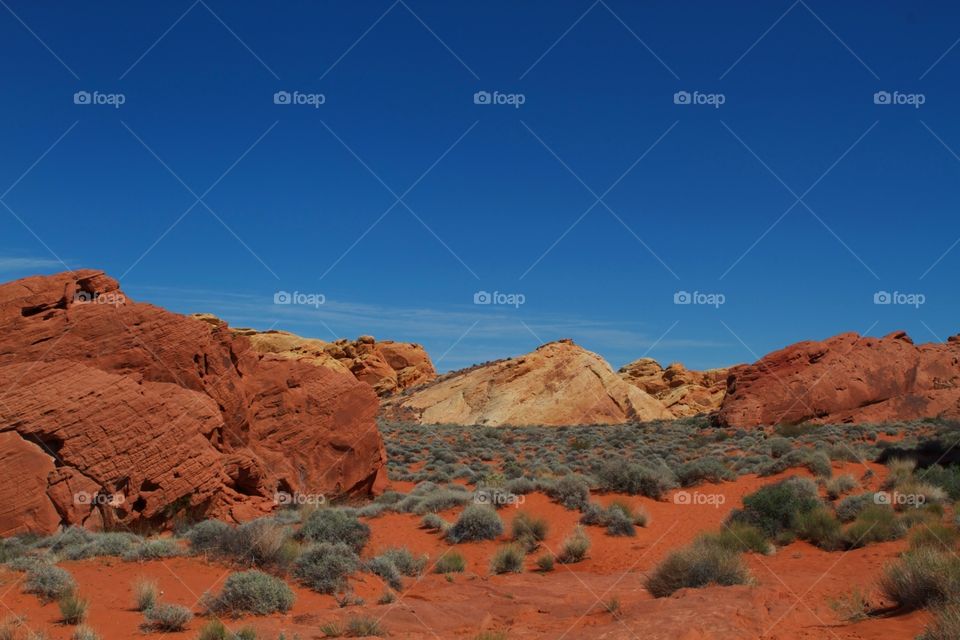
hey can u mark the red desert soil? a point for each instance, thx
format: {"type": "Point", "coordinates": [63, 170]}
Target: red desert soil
{"type": "Point", "coordinates": [791, 597]}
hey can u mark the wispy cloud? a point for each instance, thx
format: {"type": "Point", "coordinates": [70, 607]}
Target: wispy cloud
{"type": "Point", "coordinates": [15, 264]}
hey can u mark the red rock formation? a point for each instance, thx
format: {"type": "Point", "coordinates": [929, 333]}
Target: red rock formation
{"type": "Point", "coordinates": [845, 379]}
{"type": "Point", "coordinates": [157, 412]}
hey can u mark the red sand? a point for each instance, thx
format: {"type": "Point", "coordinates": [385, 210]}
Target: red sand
{"type": "Point", "coordinates": [790, 599]}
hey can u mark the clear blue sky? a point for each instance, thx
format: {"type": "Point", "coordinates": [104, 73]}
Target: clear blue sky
{"type": "Point", "coordinates": [298, 198]}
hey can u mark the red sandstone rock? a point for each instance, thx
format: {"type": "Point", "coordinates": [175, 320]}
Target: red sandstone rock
{"type": "Point", "coordinates": [158, 412]}
{"type": "Point", "coordinates": [845, 379]}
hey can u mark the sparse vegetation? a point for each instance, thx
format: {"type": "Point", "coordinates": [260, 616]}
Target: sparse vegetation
{"type": "Point", "coordinates": [251, 592]}
{"type": "Point", "coordinates": [73, 608]}
{"type": "Point", "coordinates": [335, 526]}
{"type": "Point", "coordinates": [697, 566]}
{"type": "Point", "coordinates": [477, 522]}
{"type": "Point", "coordinates": [574, 548]}
{"type": "Point", "coordinates": [49, 582]}
{"type": "Point", "coordinates": [324, 567]}
{"type": "Point", "coordinates": [168, 617]}
{"type": "Point", "coordinates": [450, 562]}
{"type": "Point", "coordinates": [508, 559]}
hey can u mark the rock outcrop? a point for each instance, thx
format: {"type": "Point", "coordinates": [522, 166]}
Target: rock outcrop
{"type": "Point", "coordinates": [387, 366]}
{"type": "Point", "coordinates": [846, 379]}
{"type": "Point", "coordinates": [558, 384]}
{"type": "Point", "coordinates": [683, 391]}
{"type": "Point", "coordinates": [114, 412]}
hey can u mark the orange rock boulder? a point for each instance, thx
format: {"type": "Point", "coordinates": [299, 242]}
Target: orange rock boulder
{"type": "Point", "coordinates": [117, 412]}
{"type": "Point", "coordinates": [683, 391]}
{"type": "Point", "coordinates": [846, 379]}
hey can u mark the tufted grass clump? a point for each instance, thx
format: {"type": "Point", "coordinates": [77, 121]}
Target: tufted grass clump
{"type": "Point", "coordinates": [697, 566]}
{"type": "Point", "coordinates": [251, 592]}
{"type": "Point", "coordinates": [922, 577]}
{"type": "Point", "coordinates": [450, 562]}
{"type": "Point", "coordinates": [571, 491]}
{"type": "Point", "coordinates": [324, 567]}
{"type": "Point", "coordinates": [774, 509]}
{"type": "Point", "coordinates": [168, 617]}
{"type": "Point", "coordinates": [145, 594]}
{"type": "Point", "coordinates": [477, 522]}
{"type": "Point", "coordinates": [508, 559]}
{"type": "Point", "coordinates": [335, 526]}
{"type": "Point", "coordinates": [574, 548]}
{"type": "Point", "coordinates": [73, 608]}
{"type": "Point", "coordinates": [49, 582]}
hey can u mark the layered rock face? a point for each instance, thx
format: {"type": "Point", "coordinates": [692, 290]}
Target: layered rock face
{"type": "Point", "coordinates": [117, 412]}
{"type": "Point", "coordinates": [558, 384]}
{"type": "Point", "coordinates": [682, 391]}
{"type": "Point", "coordinates": [846, 379]}
{"type": "Point", "coordinates": [388, 367]}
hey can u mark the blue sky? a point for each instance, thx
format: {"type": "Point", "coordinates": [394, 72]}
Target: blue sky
{"type": "Point", "coordinates": [397, 199]}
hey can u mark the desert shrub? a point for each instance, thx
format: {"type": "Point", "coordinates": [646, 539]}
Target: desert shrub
{"type": "Point", "coordinates": [214, 630]}
{"type": "Point", "coordinates": [73, 608]}
{"type": "Point", "coordinates": [49, 582]}
{"type": "Point", "coordinates": [571, 491]}
{"type": "Point", "coordinates": [528, 531]}
{"type": "Point", "coordinates": [520, 486]}
{"type": "Point", "coordinates": [364, 627]}
{"type": "Point", "coordinates": [947, 478]}
{"type": "Point", "coordinates": [168, 617]}
{"type": "Point", "coordinates": [209, 536]}
{"type": "Point", "coordinates": [774, 508]}
{"type": "Point", "coordinates": [477, 522]}
{"type": "Point", "coordinates": [851, 506]}
{"type": "Point", "coordinates": [153, 550]}
{"type": "Point", "coordinates": [737, 537]}
{"type": "Point", "coordinates": [840, 485]}
{"type": "Point", "coordinates": [450, 562]}
{"type": "Point", "coordinates": [433, 522]}
{"type": "Point", "coordinates": [407, 563]}
{"type": "Point", "coordinates": [507, 559]}
{"type": "Point", "coordinates": [922, 577]}
{"type": "Point", "coordinates": [922, 494]}
{"type": "Point", "coordinates": [324, 567]}
{"type": "Point", "coordinates": [697, 566]}
{"type": "Point", "coordinates": [704, 470]}
{"type": "Point", "coordinates": [441, 500]}
{"type": "Point", "coordinates": [251, 592]}
{"type": "Point", "coordinates": [946, 624]}
{"type": "Point", "coordinates": [145, 594]}
{"type": "Point", "coordinates": [84, 633]}
{"type": "Point", "coordinates": [619, 523]}
{"type": "Point", "coordinates": [779, 446]}
{"type": "Point", "coordinates": [935, 535]}
{"type": "Point", "coordinates": [335, 526]}
{"type": "Point", "coordinates": [101, 544]}
{"type": "Point", "coordinates": [819, 527]}
{"type": "Point", "coordinates": [11, 549]}
{"type": "Point", "coordinates": [593, 513]}
{"type": "Point", "coordinates": [636, 479]}
{"type": "Point", "coordinates": [386, 570]}
{"type": "Point", "coordinates": [574, 548]}
{"type": "Point", "coordinates": [876, 523]}
{"type": "Point", "coordinates": [545, 562]}
{"type": "Point", "coordinates": [819, 464]}
{"type": "Point", "coordinates": [899, 470]}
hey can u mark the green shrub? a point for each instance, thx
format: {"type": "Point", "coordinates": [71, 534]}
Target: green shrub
{"type": "Point", "coordinates": [876, 523]}
{"type": "Point", "coordinates": [574, 548]}
{"type": "Point", "coordinates": [49, 582]}
{"type": "Point", "coordinates": [819, 464]}
{"type": "Point", "coordinates": [477, 522]}
{"type": "Point", "coordinates": [946, 624]}
{"type": "Point", "coordinates": [98, 545]}
{"type": "Point", "coordinates": [433, 522]}
{"type": "Point", "coordinates": [935, 535]}
{"type": "Point", "coordinates": [214, 630]}
{"type": "Point", "coordinates": [84, 633]}
{"type": "Point", "coordinates": [947, 478]}
{"type": "Point", "coordinates": [840, 485]}
{"type": "Point", "coordinates": [73, 609]}
{"type": "Point", "coordinates": [168, 617]}
{"type": "Point", "coordinates": [738, 537]}
{"type": "Point", "coordinates": [209, 536]}
{"type": "Point", "coordinates": [450, 562]}
{"type": "Point", "coordinates": [779, 446]}
{"type": "Point", "coordinates": [407, 563]}
{"type": "Point", "coordinates": [153, 550]}
{"type": "Point", "coordinates": [636, 479]}
{"type": "Point", "coordinates": [545, 563]}
{"type": "Point", "coordinates": [363, 627]}
{"type": "Point", "coordinates": [571, 491]}
{"type": "Point", "coordinates": [921, 578]}
{"type": "Point", "coordinates": [775, 508]}
{"type": "Point", "coordinates": [704, 470]}
{"type": "Point", "coordinates": [851, 506]}
{"type": "Point", "coordinates": [620, 523]}
{"type": "Point", "coordinates": [507, 559]}
{"type": "Point", "coordinates": [251, 592]}
{"type": "Point", "coordinates": [145, 593]}
{"type": "Point", "coordinates": [524, 526]}
{"type": "Point", "coordinates": [336, 526]}
{"type": "Point", "coordinates": [820, 528]}
{"type": "Point", "coordinates": [324, 567]}
{"type": "Point", "coordinates": [697, 566]}
{"type": "Point", "coordinates": [386, 570]}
